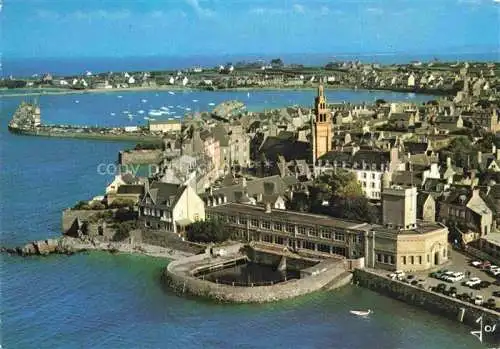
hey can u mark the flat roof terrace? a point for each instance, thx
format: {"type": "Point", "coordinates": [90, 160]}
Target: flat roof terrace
{"type": "Point", "coordinates": [288, 216]}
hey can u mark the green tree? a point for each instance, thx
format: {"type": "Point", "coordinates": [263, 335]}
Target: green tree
{"type": "Point", "coordinates": [207, 231]}
{"type": "Point", "coordinates": [122, 203]}
{"type": "Point", "coordinates": [462, 151]}
{"type": "Point", "coordinates": [123, 230]}
{"type": "Point", "coordinates": [277, 63]}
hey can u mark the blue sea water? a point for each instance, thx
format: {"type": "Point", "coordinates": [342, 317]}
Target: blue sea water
{"type": "Point", "coordinates": [98, 300]}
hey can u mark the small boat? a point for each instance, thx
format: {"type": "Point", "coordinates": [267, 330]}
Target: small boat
{"type": "Point", "coordinates": [170, 106]}
{"type": "Point", "coordinates": [130, 117]}
{"type": "Point", "coordinates": [171, 93]}
{"type": "Point", "coordinates": [157, 95]}
{"type": "Point", "coordinates": [195, 100]}
{"type": "Point", "coordinates": [146, 118]}
{"type": "Point", "coordinates": [144, 100]}
{"type": "Point", "coordinates": [164, 108]}
{"type": "Point", "coordinates": [361, 312]}
{"type": "Point", "coordinates": [187, 109]}
{"type": "Point", "coordinates": [113, 114]}
{"type": "Point", "coordinates": [120, 96]}
{"type": "Point", "coordinates": [141, 111]}
{"type": "Point", "coordinates": [248, 94]}
{"type": "Point", "coordinates": [155, 113]}
{"type": "Point", "coordinates": [152, 119]}
{"type": "Point", "coordinates": [77, 101]}
{"type": "Point", "coordinates": [126, 112]}
{"type": "Point", "coordinates": [211, 104]}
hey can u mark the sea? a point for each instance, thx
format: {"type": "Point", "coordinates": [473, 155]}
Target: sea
{"type": "Point", "coordinates": [99, 300]}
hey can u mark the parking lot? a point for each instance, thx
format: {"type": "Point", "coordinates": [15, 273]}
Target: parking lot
{"type": "Point", "coordinates": [461, 263]}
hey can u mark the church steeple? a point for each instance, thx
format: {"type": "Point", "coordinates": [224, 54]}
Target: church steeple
{"type": "Point", "coordinates": [322, 126]}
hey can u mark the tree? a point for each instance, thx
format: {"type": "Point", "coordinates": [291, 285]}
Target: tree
{"type": "Point", "coordinates": [380, 101]}
{"type": "Point", "coordinates": [462, 151]}
{"type": "Point", "coordinates": [277, 63]}
{"type": "Point", "coordinates": [122, 203]}
{"type": "Point", "coordinates": [489, 139]}
{"type": "Point", "coordinates": [207, 231]}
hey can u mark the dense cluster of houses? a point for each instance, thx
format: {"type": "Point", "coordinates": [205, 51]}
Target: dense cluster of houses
{"type": "Point", "coordinates": [259, 161]}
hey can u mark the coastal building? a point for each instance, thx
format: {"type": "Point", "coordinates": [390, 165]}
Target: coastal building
{"type": "Point", "coordinates": [170, 207]}
{"type": "Point", "coordinates": [165, 126]}
{"type": "Point", "coordinates": [403, 242]}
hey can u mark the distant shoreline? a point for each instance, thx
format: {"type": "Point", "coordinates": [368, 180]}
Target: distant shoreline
{"type": "Point", "coordinates": [57, 91]}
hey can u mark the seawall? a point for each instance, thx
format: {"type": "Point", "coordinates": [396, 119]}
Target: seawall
{"type": "Point", "coordinates": [436, 303]}
{"type": "Point", "coordinates": [178, 275]}
{"type": "Point", "coordinates": [140, 157]}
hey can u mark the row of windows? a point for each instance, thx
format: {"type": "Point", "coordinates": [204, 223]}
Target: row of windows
{"type": "Point", "coordinates": [280, 226]}
{"type": "Point", "coordinates": [456, 212]}
{"type": "Point", "coordinates": [364, 175]}
{"type": "Point", "coordinates": [155, 212]}
{"type": "Point", "coordinates": [385, 258]}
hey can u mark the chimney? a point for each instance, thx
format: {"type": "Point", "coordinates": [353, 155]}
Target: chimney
{"type": "Point", "coordinates": [448, 162]}
{"type": "Point", "coordinates": [244, 182]}
{"type": "Point", "coordinates": [268, 207]}
{"type": "Point", "coordinates": [498, 154]}
{"type": "Point", "coordinates": [493, 149]}
{"type": "Point", "coordinates": [479, 157]}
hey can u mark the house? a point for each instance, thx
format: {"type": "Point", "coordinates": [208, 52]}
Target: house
{"type": "Point", "coordinates": [468, 209]}
{"type": "Point", "coordinates": [119, 180]}
{"type": "Point", "coordinates": [170, 207]}
{"type": "Point", "coordinates": [165, 126]}
{"type": "Point", "coordinates": [126, 192]}
{"type": "Point", "coordinates": [426, 207]}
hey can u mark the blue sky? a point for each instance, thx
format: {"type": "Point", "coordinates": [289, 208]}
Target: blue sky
{"type": "Point", "coordinates": [122, 28]}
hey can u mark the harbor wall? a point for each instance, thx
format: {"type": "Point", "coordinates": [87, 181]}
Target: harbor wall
{"type": "Point", "coordinates": [122, 137]}
{"type": "Point", "coordinates": [140, 157]}
{"type": "Point", "coordinates": [434, 302]}
{"type": "Point", "coordinates": [178, 278]}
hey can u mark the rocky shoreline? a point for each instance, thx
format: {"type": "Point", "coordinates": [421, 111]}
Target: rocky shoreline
{"type": "Point", "coordinates": [67, 245]}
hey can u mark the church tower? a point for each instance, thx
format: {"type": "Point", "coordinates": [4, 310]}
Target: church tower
{"type": "Point", "coordinates": [321, 127]}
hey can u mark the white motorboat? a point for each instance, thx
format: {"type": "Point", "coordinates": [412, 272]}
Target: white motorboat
{"type": "Point", "coordinates": [211, 104]}
{"type": "Point", "coordinates": [361, 312]}
{"type": "Point", "coordinates": [195, 100]}
{"type": "Point", "coordinates": [144, 100]}
{"type": "Point", "coordinates": [120, 96]}
{"type": "Point", "coordinates": [113, 114]}
{"type": "Point", "coordinates": [171, 93]}
{"type": "Point", "coordinates": [187, 109]}
{"type": "Point", "coordinates": [141, 111]}
{"type": "Point", "coordinates": [155, 113]}
{"type": "Point", "coordinates": [77, 101]}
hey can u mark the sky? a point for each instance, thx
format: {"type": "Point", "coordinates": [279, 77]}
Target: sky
{"type": "Point", "coordinates": [135, 28]}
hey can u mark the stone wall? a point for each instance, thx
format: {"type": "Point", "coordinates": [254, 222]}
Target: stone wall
{"type": "Point", "coordinates": [69, 216]}
{"type": "Point", "coordinates": [177, 276]}
{"type": "Point", "coordinates": [434, 302]}
{"type": "Point", "coordinates": [139, 157]}
{"type": "Point", "coordinates": [262, 257]}
{"type": "Point", "coordinates": [166, 239]}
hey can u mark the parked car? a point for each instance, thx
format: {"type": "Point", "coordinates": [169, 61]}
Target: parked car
{"type": "Point", "coordinates": [484, 284]}
{"type": "Point", "coordinates": [398, 274]}
{"type": "Point", "coordinates": [478, 300]}
{"type": "Point", "coordinates": [464, 297]}
{"type": "Point", "coordinates": [440, 288]}
{"type": "Point", "coordinates": [485, 264]}
{"type": "Point", "coordinates": [476, 264]}
{"type": "Point", "coordinates": [490, 303]}
{"type": "Point", "coordinates": [452, 292]}
{"type": "Point", "coordinates": [438, 274]}
{"type": "Point", "coordinates": [473, 282]}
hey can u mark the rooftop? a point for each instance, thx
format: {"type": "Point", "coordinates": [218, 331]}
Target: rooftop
{"type": "Point", "coordinates": [289, 216]}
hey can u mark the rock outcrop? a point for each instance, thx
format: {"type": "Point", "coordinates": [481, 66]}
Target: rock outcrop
{"type": "Point", "coordinates": [39, 248]}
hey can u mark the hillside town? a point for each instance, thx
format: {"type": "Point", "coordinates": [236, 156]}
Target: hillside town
{"type": "Point", "coordinates": [443, 157]}
{"type": "Point", "coordinates": [394, 187]}
{"type": "Point", "coordinates": [432, 77]}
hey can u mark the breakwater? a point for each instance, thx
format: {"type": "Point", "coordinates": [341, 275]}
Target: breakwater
{"type": "Point", "coordinates": [181, 276]}
{"type": "Point", "coordinates": [82, 133]}
{"type": "Point", "coordinates": [452, 308]}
